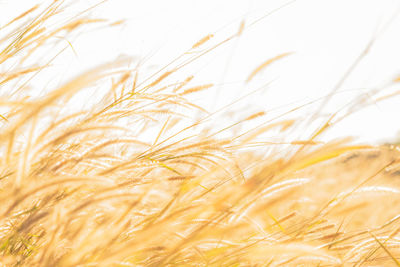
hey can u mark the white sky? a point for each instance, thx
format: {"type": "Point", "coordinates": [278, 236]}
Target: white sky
{"type": "Point", "coordinates": [326, 37]}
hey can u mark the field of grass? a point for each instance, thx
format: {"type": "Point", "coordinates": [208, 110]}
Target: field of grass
{"type": "Point", "coordinates": [87, 186]}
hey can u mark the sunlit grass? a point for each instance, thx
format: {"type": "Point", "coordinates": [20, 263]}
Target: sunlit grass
{"type": "Point", "coordinates": [89, 187]}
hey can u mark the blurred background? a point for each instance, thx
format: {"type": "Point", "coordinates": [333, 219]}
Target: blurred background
{"type": "Point", "coordinates": [327, 40]}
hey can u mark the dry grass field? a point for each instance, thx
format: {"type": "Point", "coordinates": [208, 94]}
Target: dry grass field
{"type": "Point", "coordinates": [84, 186]}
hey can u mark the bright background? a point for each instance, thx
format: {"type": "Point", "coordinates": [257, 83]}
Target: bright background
{"type": "Point", "coordinates": [325, 36]}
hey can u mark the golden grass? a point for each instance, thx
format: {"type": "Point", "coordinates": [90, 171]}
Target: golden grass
{"type": "Point", "coordinates": [265, 64]}
{"type": "Point", "coordinates": [85, 188]}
